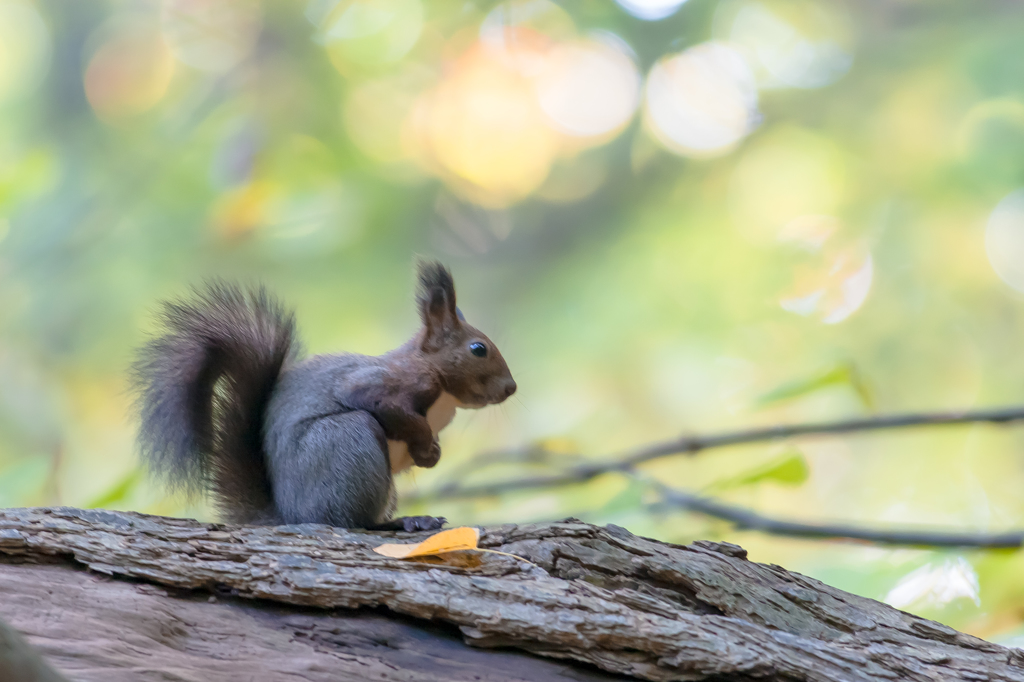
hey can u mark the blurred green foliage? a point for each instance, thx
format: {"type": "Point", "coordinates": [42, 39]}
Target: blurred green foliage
{"type": "Point", "coordinates": [670, 216]}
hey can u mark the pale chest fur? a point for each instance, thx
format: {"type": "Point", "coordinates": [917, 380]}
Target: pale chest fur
{"type": "Point", "coordinates": [439, 415]}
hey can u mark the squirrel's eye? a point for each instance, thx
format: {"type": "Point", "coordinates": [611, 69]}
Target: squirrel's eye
{"type": "Point", "coordinates": [478, 349]}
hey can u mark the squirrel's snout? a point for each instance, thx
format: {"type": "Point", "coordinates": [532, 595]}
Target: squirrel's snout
{"type": "Point", "coordinates": [510, 387]}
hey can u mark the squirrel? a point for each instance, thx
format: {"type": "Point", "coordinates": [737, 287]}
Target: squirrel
{"type": "Point", "coordinates": [227, 406]}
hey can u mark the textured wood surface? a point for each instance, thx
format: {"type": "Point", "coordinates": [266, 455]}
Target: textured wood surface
{"type": "Point", "coordinates": [97, 629]}
{"type": "Point", "coordinates": [19, 661]}
{"type": "Point", "coordinates": [597, 596]}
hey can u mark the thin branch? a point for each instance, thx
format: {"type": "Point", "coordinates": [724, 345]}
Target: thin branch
{"type": "Point", "coordinates": [691, 445]}
{"type": "Point", "coordinates": [694, 444]}
{"type": "Point", "coordinates": [747, 519]}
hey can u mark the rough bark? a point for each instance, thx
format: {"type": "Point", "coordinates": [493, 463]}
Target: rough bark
{"type": "Point", "coordinates": [97, 629]}
{"type": "Point", "coordinates": [599, 596]}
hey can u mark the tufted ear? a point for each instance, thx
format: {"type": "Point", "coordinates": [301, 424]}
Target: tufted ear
{"type": "Point", "coordinates": [436, 302]}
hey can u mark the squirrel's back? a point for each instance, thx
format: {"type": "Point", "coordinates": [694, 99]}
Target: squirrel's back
{"type": "Point", "coordinates": [204, 384]}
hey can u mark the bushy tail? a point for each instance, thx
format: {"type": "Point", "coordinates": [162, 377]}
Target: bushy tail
{"type": "Point", "coordinates": [203, 387]}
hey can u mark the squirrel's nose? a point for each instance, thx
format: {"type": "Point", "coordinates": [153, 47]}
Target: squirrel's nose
{"type": "Point", "coordinates": [510, 387]}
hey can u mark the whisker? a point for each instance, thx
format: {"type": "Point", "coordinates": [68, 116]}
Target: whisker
{"type": "Point", "coordinates": [521, 403]}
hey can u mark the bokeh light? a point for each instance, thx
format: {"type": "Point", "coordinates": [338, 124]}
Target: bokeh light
{"type": "Point", "coordinates": [834, 280]}
{"type": "Point", "coordinates": [483, 127]}
{"type": "Point", "coordinates": [1004, 239]}
{"type": "Point", "coordinates": [589, 88]}
{"type": "Point", "coordinates": [651, 10]}
{"type": "Point", "coordinates": [527, 92]}
{"type": "Point", "coordinates": [794, 44]}
{"type": "Point", "coordinates": [701, 102]}
{"type": "Point", "coordinates": [25, 48]}
{"type": "Point", "coordinates": [291, 204]}
{"type": "Point", "coordinates": [239, 211]}
{"type": "Point", "coordinates": [130, 71]}
{"type": "Point", "coordinates": [211, 35]}
{"type": "Point", "coordinates": [359, 33]}
{"type": "Point", "coordinates": [311, 220]}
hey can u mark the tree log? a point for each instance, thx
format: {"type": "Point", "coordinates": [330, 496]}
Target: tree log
{"type": "Point", "coordinates": [179, 605]}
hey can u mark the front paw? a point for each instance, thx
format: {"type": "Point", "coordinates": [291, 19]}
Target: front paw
{"type": "Point", "coordinates": [430, 457]}
{"type": "Point", "coordinates": [412, 524]}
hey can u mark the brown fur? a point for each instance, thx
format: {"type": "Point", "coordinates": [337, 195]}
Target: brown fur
{"type": "Point", "coordinates": [436, 360]}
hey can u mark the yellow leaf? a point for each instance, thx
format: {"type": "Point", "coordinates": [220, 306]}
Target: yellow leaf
{"type": "Point", "coordinates": [453, 540]}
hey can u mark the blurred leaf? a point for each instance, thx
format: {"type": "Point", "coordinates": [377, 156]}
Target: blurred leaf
{"type": "Point", "coordinates": [842, 374]}
{"type": "Point", "coordinates": [628, 500]}
{"type": "Point", "coordinates": [789, 469]}
{"type": "Point", "coordinates": [117, 493]}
